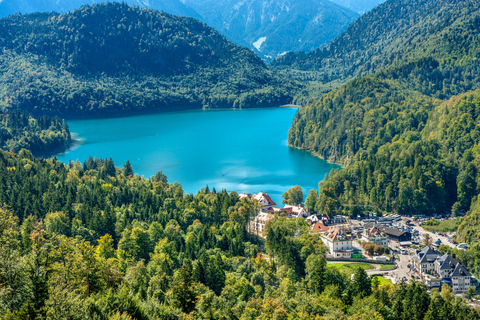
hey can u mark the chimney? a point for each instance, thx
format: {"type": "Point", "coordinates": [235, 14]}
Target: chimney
{"type": "Point", "coordinates": [453, 255]}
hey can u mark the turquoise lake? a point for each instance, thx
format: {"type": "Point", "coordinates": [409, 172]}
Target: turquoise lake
{"type": "Point", "coordinates": [237, 150]}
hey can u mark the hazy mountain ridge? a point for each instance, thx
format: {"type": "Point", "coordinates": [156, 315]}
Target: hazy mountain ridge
{"type": "Point", "coordinates": [9, 7]}
{"type": "Point", "coordinates": [360, 6]}
{"type": "Point", "coordinates": [286, 25]}
{"type": "Point", "coordinates": [111, 58]}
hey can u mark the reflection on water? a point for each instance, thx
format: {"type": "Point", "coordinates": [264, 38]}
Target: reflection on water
{"type": "Point", "coordinates": [239, 150]}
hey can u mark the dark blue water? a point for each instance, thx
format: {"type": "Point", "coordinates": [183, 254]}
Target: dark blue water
{"type": "Point", "coordinates": [237, 150]}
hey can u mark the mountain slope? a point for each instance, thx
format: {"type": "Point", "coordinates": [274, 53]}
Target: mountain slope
{"type": "Point", "coordinates": [393, 33]}
{"type": "Point", "coordinates": [408, 134]}
{"type": "Point", "coordinates": [268, 27]}
{"type": "Point", "coordinates": [273, 27]}
{"type": "Point", "coordinates": [9, 7]}
{"type": "Point", "coordinates": [360, 6]}
{"type": "Point", "coordinates": [111, 58]}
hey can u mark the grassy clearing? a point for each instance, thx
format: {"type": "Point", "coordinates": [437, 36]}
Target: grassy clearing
{"type": "Point", "coordinates": [350, 267]}
{"type": "Point", "coordinates": [384, 281]}
{"type": "Point", "coordinates": [387, 266]}
{"type": "Point", "coordinates": [442, 226]}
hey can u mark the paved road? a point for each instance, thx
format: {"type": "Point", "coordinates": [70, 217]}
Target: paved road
{"type": "Point", "coordinates": [433, 236]}
{"type": "Point", "coordinates": [402, 269]}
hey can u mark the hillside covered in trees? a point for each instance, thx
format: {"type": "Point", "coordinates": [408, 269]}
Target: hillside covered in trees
{"type": "Point", "coordinates": [393, 33]}
{"type": "Point", "coordinates": [92, 241]}
{"type": "Point", "coordinates": [112, 59]}
{"type": "Point", "coordinates": [43, 136]}
{"type": "Point", "coordinates": [407, 134]}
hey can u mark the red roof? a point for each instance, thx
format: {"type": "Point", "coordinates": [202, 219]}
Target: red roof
{"type": "Point", "coordinates": [269, 200]}
{"type": "Point", "coordinates": [287, 210]}
{"type": "Point", "coordinates": [319, 227]}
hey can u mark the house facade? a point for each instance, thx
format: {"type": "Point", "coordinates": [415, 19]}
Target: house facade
{"type": "Point", "coordinates": [452, 272]}
{"type": "Point", "coordinates": [258, 224]}
{"type": "Point", "coordinates": [375, 236]}
{"type": "Point", "coordinates": [461, 279]}
{"type": "Point", "coordinates": [265, 200]}
{"type": "Point", "coordinates": [424, 260]}
{"type": "Point", "coordinates": [439, 269]}
{"type": "Point", "coordinates": [296, 211]}
{"type": "Point", "coordinates": [339, 244]}
{"type": "Point", "coordinates": [266, 203]}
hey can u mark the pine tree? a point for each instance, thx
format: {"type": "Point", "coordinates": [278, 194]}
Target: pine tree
{"type": "Point", "coordinates": [127, 169]}
{"type": "Point", "coordinates": [361, 285]}
{"type": "Point", "coordinates": [183, 293]}
{"type": "Point", "coordinates": [315, 268]}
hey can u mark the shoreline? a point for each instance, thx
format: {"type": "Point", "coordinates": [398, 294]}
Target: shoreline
{"type": "Point", "coordinates": [313, 153]}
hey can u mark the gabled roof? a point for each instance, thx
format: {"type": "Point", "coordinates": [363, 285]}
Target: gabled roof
{"type": "Point", "coordinates": [267, 198]}
{"type": "Point", "coordinates": [392, 231]}
{"type": "Point", "coordinates": [369, 225]}
{"type": "Point", "coordinates": [374, 232]}
{"type": "Point", "coordinates": [319, 227]}
{"type": "Point", "coordinates": [264, 217]}
{"type": "Point", "coordinates": [447, 262]}
{"type": "Point", "coordinates": [334, 234]}
{"type": "Point", "coordinates": [421, 256]}
{"type": "Point", "coordinates": [460, 271]}
{"type": "Point", "coordinates": [427, 250]}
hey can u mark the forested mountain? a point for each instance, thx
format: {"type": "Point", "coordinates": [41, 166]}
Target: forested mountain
{"type": "Point", "coordinates": [110, 59]}
{"type": "Point", "coordinates": [94, 241]}
{"type": "Point", "coordinates": [360, 6]}
{"type": "Point", "coordinates": [393, 33]}
{"type": "Point", "coordinates": [407, 134]}
{"type": "Point", "coordinates": [9, 7]}
{"type": "Point", "coordinates": [43, 136]}
{"type": "Point", "coordinates": [268, 27]}
{"type": "Point", "coordinates": [274, 27]}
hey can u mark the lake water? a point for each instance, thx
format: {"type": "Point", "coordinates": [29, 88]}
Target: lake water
{"type": "Point", "coordinates": [237, 150]}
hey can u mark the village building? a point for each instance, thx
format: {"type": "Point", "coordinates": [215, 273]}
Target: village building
{"type": "Point", "coordinates": [396, 234]}
{"type": "Point", "coordinates": [445, 265]}
{"type": "Point", "coordinates": [258, 224]}
{"type": "Point", "coordinates": [296, 211]}
{"type": "Point", "coordinates": [461, 278]}
{"type": "Point", "coordinates": [336, 220]}
{"type": "Point", "coordinates": [439, 269]}
{"type": "Point", "coordinates": [266, 203]}
{"type": "Point", "coordinates": [375, 236]}
{"type": "Point", "coordinates": [265, 200]}
{"type": "Point", "coordinates": [313, 219]}
{"type": "Point", "coordinates": [424, 260]}
{"type": "Point", "coordinates": [452, 272]}
{"type": "Point", "coordinates": [338, 243]}
{"type": "Point", "coordinates": [319, 227]}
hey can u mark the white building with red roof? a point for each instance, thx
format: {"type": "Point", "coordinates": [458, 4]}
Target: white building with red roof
{"type": "Point", "coordinates": [339, 243]}
{"type": "Point", "coordinates": [375, 236]}
{"type": "Point", "coordinates": [296, 211]}
{"type": "Point", "coordinates": [264, 200]}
